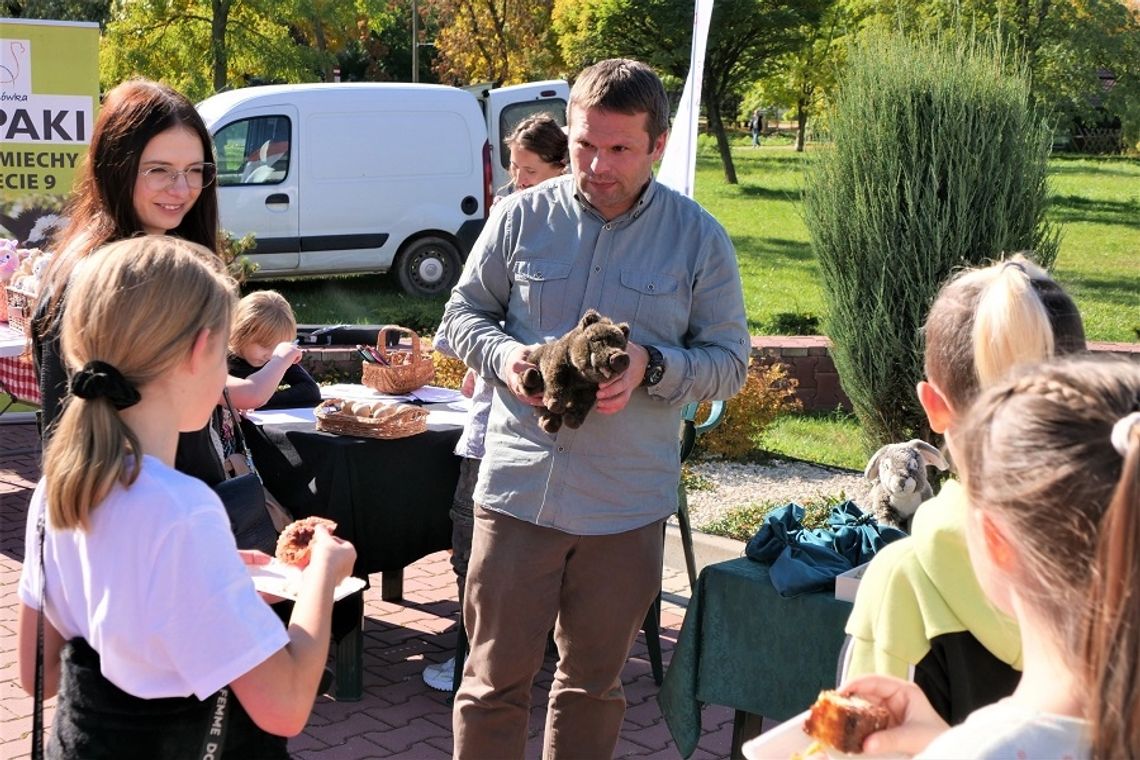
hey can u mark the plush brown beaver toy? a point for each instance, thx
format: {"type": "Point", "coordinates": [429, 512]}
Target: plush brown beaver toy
{"type": "Point", "coordinates": [571, 367]}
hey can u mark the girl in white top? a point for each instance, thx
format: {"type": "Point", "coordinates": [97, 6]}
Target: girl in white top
{"type": "Point", "coordinates": [149, 610]}
{"type": "Point", "coordinates": [1050, 460]}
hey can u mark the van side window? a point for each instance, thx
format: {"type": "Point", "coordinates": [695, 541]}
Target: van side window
{"type": "Point", "coordinates": [510, 117]}
{"type": "Point", "coordinates": [253, 151]}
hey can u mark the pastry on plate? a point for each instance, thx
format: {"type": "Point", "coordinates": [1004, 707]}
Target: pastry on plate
{"type": "Point", "coordinates": [844, 722]}
{"type": "Point", "coordinates": [293, 543]}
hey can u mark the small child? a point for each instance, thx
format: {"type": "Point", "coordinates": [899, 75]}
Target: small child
{"type": "Point", "coordinates": [263, 334]}
{"type": "Point", "coordinates": [1050, 461]}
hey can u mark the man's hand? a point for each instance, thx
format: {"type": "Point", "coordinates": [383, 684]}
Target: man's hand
{"type": "Point", "coordinates": [613, 395]}
{"type": "Point", "coordinates": [518, 363]}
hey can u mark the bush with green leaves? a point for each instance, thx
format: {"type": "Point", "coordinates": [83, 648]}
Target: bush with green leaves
{"type": "Point", "coordinates": [936, 161]}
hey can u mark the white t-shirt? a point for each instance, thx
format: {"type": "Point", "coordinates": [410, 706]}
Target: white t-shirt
{"type": "Point", "coordinates": [1005, 730]}
{"type": "Point", "coordinates": [156, 587]}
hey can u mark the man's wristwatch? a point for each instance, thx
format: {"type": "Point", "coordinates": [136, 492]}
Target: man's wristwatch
{"type": "Point", "coordinates": [655, 369]}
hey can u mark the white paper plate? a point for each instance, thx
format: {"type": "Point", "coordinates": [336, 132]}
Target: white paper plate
{"type": "Point", "coordinates": [788, 738]}
{"type": "Point", "coordinates": [283, 580]}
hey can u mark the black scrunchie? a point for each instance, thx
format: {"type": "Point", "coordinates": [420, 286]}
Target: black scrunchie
{"type": "Point", "coordinates": [101, 380]}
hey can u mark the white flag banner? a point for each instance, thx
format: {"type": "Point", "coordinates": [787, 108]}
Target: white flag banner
{"type": "Point", "coordinates": [679, 163]}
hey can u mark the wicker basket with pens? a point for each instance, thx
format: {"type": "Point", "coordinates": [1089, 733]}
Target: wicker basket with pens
{"type": "Point", "coordinates": [398, 369]}
{"type": "Point", "coordinates": [379, 419]}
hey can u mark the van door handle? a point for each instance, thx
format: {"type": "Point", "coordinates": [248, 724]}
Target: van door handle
{"type": "Point", "coordinates": [277, 198]}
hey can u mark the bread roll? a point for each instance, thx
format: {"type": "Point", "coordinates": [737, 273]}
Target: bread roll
{"type": "Point", "coordinates": [293, 543]}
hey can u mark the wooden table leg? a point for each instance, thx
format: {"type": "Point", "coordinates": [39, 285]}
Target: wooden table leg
{"type": "Point", "coordinates": [745, 726]}
{"type": "Point", "coordinates": [392, 585]}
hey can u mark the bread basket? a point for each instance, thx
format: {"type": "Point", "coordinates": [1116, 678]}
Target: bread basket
{"type": "Point", "coordinates": [396, 421]}
{"type": "Point", "coordinates": [400, 369]}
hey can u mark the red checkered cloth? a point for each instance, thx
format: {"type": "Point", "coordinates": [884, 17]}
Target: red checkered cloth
{"type": "Point", "coordinates": [18, 378]}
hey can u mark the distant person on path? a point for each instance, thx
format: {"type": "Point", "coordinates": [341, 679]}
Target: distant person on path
{"type": "Point", "coordinates": [538, 153]}
{"type": "Point", "coordinates": [568, 527]}
{"type": "Point", "coordinates": [920, 611]}
{"type": "Point", "coordinates": [756, 127]}
{"type": "Point", "coordinates": [151, 617]}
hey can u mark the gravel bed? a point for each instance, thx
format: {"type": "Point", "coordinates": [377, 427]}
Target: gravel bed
{"type": "Point", "coordinates": [728, 485]}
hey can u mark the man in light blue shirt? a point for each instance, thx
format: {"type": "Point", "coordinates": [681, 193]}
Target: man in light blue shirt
{"type": "Point", "coordinates": [568, 527]}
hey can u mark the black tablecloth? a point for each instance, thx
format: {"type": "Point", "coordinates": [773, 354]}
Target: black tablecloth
{"type": "Point", "coordinates": [390, 498]}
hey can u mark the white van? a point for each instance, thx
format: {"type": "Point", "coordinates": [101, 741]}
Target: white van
{"type": "Point", "coordinates": [356, 177]}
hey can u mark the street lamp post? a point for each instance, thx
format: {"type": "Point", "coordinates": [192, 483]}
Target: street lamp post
{"type": "Point", "coordinates": [415, 43]}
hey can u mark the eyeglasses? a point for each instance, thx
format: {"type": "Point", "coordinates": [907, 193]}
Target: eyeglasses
{"type": "Point", "coordinates": [163, 177]}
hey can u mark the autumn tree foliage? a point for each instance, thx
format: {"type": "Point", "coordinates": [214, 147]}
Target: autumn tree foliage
{"type": "Point", "coordinates": [500, 41]}
{"type": "Point", "coordinates": [744, 36]}
{"type": "Point", "coordinates": [204, 46]}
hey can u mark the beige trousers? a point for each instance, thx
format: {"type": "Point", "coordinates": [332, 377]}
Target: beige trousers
{"type": "Point", "coordinates": [521, 581]}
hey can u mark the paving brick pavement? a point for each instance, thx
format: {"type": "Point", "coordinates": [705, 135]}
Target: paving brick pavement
{"type": "Point", "coordinates": [399, 716]}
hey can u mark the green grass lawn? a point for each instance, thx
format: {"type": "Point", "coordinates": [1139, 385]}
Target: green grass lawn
{"type": "Point", "coordinates": [8, 404]}
{"type": "Point", "coordinates": [833, 438]}
{"type": "Point", "coordinates": [1097, 200]}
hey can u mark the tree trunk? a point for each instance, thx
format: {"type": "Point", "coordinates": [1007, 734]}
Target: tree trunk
{"type": "Point", "coordinates": [716, 126]}
{"type": "Point", "coordinates": [801, 124]}
{"type": "Point", "coordinates": [218, 24]}
{"type": "Point", "coordinates": [322, 46]}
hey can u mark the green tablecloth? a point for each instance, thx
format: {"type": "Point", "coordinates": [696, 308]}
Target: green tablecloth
{"type": "Point", "coordinates": [744, 646]}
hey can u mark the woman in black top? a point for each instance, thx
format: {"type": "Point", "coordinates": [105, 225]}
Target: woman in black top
{"type": "Point", "coordinates": [149, 170]}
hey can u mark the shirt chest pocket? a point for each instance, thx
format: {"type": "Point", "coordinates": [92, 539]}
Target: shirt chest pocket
{"type": "Point", "coordinates": [655, 299]}
{"type": "Point", "coordinates": [541, 289]}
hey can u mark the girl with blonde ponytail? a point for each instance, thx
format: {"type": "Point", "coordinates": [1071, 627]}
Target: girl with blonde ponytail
{"type": "Point", "coordinates": [1050, 460]}
{"type": "Point", "coordinates": [920, 613]}
{"type": "Point", "coordinates": [150, 618]}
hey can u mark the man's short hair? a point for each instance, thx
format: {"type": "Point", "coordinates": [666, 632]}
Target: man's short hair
{"type": "Point", "coordinates": [624, 86]}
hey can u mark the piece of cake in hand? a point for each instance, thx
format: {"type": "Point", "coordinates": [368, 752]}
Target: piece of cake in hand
{"type": "Point", "coordinates": [293, 543]}
{"type": "Point", "coordinates": [844, 722]}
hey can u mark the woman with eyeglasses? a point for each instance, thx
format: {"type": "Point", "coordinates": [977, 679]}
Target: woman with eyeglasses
{"type": "Point", "coordinates": [149, 170]}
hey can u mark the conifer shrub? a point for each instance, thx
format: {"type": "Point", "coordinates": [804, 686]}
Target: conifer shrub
{"type": "Point", "coordinates": [936, 161]}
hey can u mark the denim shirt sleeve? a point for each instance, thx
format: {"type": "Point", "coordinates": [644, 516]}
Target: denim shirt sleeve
{"type": "Point", "coordinates": [713, 363]}
{"type": "Point", "coordinates": [473, 317]}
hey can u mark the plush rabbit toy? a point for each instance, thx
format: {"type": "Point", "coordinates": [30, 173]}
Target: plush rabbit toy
{"type": "Point", "coordinates": [899, 473]}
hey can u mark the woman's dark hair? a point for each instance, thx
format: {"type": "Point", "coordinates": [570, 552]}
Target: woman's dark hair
{"type": "Point", "coordinates": [102, 207]}
{"type": "Point", "coordinates": [541, 135]}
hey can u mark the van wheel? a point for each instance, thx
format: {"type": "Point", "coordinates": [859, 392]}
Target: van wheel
{"type": "Point", "coordinates": [428, 267]}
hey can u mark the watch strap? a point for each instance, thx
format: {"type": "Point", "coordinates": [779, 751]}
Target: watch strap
{"type": "Point", "coordinates": [655, 369]}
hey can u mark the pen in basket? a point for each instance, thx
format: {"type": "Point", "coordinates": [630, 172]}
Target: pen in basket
{"type": "Point", "coordinates": [377, 356]}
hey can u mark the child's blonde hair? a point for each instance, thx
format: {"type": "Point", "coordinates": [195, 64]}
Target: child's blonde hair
{"type": "Point", "coordinates": [1055, 452]}
{"type": "Point", "coordinates": [263, 318]}
{"type": "Point", "coordinates": [119, 314]}
{"type": "Point", "coordinates": [984, 321]}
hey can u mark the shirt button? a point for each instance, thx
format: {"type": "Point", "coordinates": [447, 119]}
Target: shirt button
{"type": "Point", "coordinates": [609, 226]}
{"type": "Point", "coordinates": [561, 449]}
{"type": "Point", "coordinates": [597, 269]}
{"type": "Point", "coordinates": [651, 288]}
